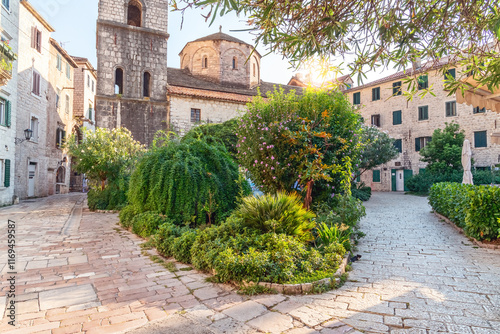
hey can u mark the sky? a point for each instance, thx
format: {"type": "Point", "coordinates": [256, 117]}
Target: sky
{"type": "Point", "coordinates": [75, 25]}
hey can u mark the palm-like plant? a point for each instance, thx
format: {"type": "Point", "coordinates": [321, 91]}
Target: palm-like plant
{"type": "Point", "coordinates": [333, 234]}
{"type": "Point", "coordinates": [280, 213]}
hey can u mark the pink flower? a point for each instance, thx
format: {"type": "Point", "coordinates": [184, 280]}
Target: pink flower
{"type": "Point", "coordinates": [256, 161]}
{"type": "Point", "coordinates": [272, 158]}
{"type": "Point", "coordinates": [274, 177]}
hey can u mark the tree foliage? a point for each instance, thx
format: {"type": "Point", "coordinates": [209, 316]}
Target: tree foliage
{"type": "Point", "coordinates": [189, 182]}
{"type": "Point", "coordinates": [304, 142]}
{"type": "Point", "coordinates": [377, 32]}
{"type": "Point", "coordinates": [444, 152]}
{"type": "Point", "coordinates": [104, 155]}
{"type": "Point", "coordinates": [224, 133]}
{"type": "Point", "coordinates": [377, 149]}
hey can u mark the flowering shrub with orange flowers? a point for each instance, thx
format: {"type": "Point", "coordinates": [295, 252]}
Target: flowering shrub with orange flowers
{"type": "Point", "coordinates": [308, 143]}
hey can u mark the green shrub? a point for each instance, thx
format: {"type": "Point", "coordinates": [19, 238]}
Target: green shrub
{"type": "Point", "coordinates": [474, 208]}
{"type": "Point", "coordinates": [341, 209]}
{"type": "Point", "coordinates": [361, 191]}
{"type": "Point", "coordinates": [225, 133]}
{"type": "Point", "coordinates": [191, 181]}
{"type": "Point", "coordinates": [182, 246]}
{"type": "Point", "coordinates": [111, 198]}
{"type": "Point", "coordinates": [328, 235]}
{"type": "Point", "coordinates": [146, 223]}
{"type": "Point", "coordinates": [280, 213]}
{"type": "Point", "coordinates": [126, 216]}
{"type": "Point", "coordinates": [165, 237]}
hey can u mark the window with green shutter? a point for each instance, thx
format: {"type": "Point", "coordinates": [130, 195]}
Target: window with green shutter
{"type": "Point", "coordinates": [423, 113]}
{"type": "Point", "coordinates": [356, 98]}
{"type": "Point", "coordinates": [423, 82]}
{"type": "Point", "coordinates": [376, 94]}
{"type": "Point", "coordinates": [396, 88]}
{"type": "Point", "coordinates": [376, 175]}
{"type": "Point", "coordinates": [398, 144]}
{"type": "Point", "coordinates": [417, 144]}
{"type": "Point", "coordinates": [477, 110]}
{"type": "Point", "coordinates": [451, 108]}
{"type": "Point", "coordinates": [397, 117]}
{"type": "Point", "coordinates": [59, 62]}
{"type": "Point", "coordinates": [480, 139]}
{"type": "Point", "coordinates": [68, 71]}
{"type": "Point", "coordinates": [6, 181]}
{"type": "Point", "coordinates": [450, 74]}
{"type": "Point", "coordinates": [5, 113]}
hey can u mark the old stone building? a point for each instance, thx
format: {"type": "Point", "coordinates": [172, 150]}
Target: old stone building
{"type": "Point", "coordinates": [60, 121]}
{"type": "Point", "coordinates": [132, 56]}
{"type": "Point", "coordinates": [8, 99]}
{"type": "Point", "coordinates": [219, 74]}
{"type": "Point", "coordinates": [412, 123]}
{"type": "Point", "coordinates": [32, 102]}
{"type": "Point", "coordinates": [85, 83]}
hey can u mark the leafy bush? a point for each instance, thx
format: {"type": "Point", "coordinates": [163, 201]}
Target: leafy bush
{"type": "Point", "coordinates": [361, 191]}
{"type": "Point", "coordinates": [126, 216]}
{"type": "Point", "coordinates": [224, 133]}
{"type": "Point", "coordinates": [182, 246]}
{"type": "Point", "coordinates": [475, 208]}
{"type": "Point", "coordinates": [280, 213]}
{"type": "Point", "coordinates": [146, 223]}
{"type": "Point", "coordinates": [239, 253]}
{"type": "Point", "coordinates": [189, 181]}
{"type": "Point", "coordinates": [341, 209]}
{"type": "Point", "coordinates": [309, 142]}
{"type": "Point", "coordinates": [111, 198]}
{"type": "Point", "coordinates": [165, 236]}
{"type": "Point", "coordinates": [329, 235]}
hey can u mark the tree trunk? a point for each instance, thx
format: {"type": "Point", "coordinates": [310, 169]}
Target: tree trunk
{"type": "Point", "coordinates": [308, 199]}
{"type": "Point", "coordinates": [103, 184]}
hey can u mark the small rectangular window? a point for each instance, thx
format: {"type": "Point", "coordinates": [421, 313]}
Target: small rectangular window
{"type": "Point", "coordinates": [356, 98]}
{"type": "Point", "coordinates": [376, 94]}
{"type": "Point", "coordinates": [3, 113]}
{"type": "Point", "coordinates": [93, 86]}
{"type": "Point", "coordinates": [59, 62]}
{"type": "Point", "coordinates": [66, 109]}
{"type": "Point", "coordinates": [477, 110]}
{"type": "Point", "coordinates": [88, 80]}
{"type": "Point", "coordinates": [423, 113]}
{"type": "Point", "coordinates": [68, 71]}
{"type": "Point", "coordinates": [451, 108]}
{"type": "Point", "coordinates": [376, 120]}
{"type": "Point", "coordinates": [397, 117]}
{"type": "Point", "coordinates": [6, 4]}
{"type": "Point", "coordinates": [396, 88]}
{"type": "Point", "coordinates": [35, 89]}
{"type": "Point", "coordinates": [36, 39]}
{"type": "Point", "coordinates": [421, 142]}
{"type": "Point", "coordinates": [58, 97]}
{"type": "Point", "coordinates": [423, 82]}
{"type": "Point", "coordinates": [449, 73]}
{"type": "Point", "coordinates": [480, 139]}
{"type": "Point", "coordinates": [34, 128]}
{"type": "Point", "coordinates": [398, 144]}
{"type": "Point", "coordinates": [195, 115]}
{"type": "Point", "coordinates": [376, 175]}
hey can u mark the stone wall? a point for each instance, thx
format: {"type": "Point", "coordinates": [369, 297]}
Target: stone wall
{"type": "Point", "coordinates": [155, 12]}
{"type": "Point", "coordinates": [34, 151]}
{"type": "Point", "coordinates": [212, 111]}
{"type": "Point", "coordinates": [8, 92]}
{"type": "Point", "coordinates": [412, 128]}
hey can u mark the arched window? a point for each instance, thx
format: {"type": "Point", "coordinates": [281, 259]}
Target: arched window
{"type": "Point", "coordinates": [235, 63]}
{"type": "Point", "coordinates": [134, 13]}
{"type": "Point", "coordinates": [147, 84]}
{"type": "Point", "coordinates": [204, 62]}
{"type": "Point", "coordinates": [254, 70]}
{"type": "Point", "coordinates": [61, 175]}
{"type": "Point", "coordinates": [119, 81]}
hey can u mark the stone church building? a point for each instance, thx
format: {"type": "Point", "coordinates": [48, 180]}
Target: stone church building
{"type": "Point", "coordinates": [219, 74]}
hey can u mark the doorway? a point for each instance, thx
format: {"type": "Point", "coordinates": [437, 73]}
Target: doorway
{"type": "Point", "coordinates": [400, 181]}
{"type": "Point", "coordinates": [31, 179]}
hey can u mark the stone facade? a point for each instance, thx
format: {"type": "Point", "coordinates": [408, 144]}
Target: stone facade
{"type": "Point", "coordinates": [85, 83]}
{"type": "Point", "coordinates": [393, 173]}
{"type": "Point", "coordinates": [128, 49]}
{"type": "Point", "coordinates": [211, 111]}
{"type": "Point", "coordinates": [31, 160]}
{"type": "Point", "coordinates": [8, 94]}
{"type": "Point", "coordinates": [60, 121]}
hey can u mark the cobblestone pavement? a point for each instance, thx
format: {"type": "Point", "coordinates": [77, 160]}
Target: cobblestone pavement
{"type": "Point", "coordinates": [79, 272]}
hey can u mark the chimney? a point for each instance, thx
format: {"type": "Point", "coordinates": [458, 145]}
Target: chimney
{"type": "Point", "coordinates": [417, 63]}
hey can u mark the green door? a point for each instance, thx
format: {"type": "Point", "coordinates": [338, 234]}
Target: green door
{"type": "Point", "coordinates": [393, 179]}
{"type": "Point", "coordinates": [407, 175]}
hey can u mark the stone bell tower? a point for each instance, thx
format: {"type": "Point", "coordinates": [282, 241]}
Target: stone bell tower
{"type": "Point", "coordinates": [132, 66]}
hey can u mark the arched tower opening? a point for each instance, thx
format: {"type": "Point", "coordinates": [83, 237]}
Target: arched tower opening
{"type": "Point", "coordinates": [146, 89]}
{"type": "Point", "coordinates": [119, 81]}
{"type": "Point", "coordinates": [134, 13]}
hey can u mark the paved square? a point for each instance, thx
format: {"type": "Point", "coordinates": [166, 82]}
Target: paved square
{"type": "Point", "coordinates": [64, 297]}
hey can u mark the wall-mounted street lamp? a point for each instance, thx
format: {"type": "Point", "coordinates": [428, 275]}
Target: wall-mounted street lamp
{"type": "Point", "coordinates": [28, 133]}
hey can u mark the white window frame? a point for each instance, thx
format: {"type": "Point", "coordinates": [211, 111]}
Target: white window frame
{"type": "Point", "coordinates": [2, 173]}
{"type": "Point", "coordinates": [7, 5]}
{"type": "Point", "coordinates": [3, 112]}
{"type": "Point", "coordinates": [35, 134]}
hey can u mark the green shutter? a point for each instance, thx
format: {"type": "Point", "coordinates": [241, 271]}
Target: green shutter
{"type": "Point", "coordinates": [421, 170]}
{"type": "Point", "coordinates": [480, 139]}
{"type": "Point", "coordinates": [57, 138]}
{"type": "Point", "coordinates": [398, 144]}
{"type": "Point", "coordinates": [417, 144]}
{"type": "Point", "coordinates": [6, 181]}
{"type": "Point", "coordinates": [8, 114]}
{"type": "Point", "coordinates": [396, 117]}
{"type": "Point", "coordinates": [356, 97]}
{"type": "Point", "coordinates": [450, 72]}
{"type": "Point", "coordinates": [376, 175]}
{"type": "Point", "coordinates": [423, 82]}
{"type": "Point", "coordinates": [63, 137]}
{"type": "Point", "coordinates": [393, 179]}
{"type": "Point", "coordinates": [408, 173]}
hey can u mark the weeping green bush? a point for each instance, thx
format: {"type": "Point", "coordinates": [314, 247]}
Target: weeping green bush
{"type": "Point", "coordinates": [280, 213]}
{"type": "Point", "coordinates": [146, 223]}
{"type": "Point", "coordinates": [190, 181]}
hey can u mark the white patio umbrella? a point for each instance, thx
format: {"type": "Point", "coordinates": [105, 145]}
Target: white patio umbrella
{"type": "Point", "coordinates": [466, 162]}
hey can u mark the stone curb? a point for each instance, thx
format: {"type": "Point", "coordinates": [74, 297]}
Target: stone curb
{"type": "Point", "coordinates": [461, 230]}
{"type": "Point", "coordinates": [304, 288]}
{"type": "Point", "coordinates": [106, 211]}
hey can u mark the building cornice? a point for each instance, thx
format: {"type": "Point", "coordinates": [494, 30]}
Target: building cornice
{"type": "Point", "coordinates": [37, 15]}
{"type": "Point", "coordinates": [132, 28]}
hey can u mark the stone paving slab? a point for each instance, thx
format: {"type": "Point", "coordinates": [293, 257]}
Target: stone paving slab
{"type": "Point", "coordinates": [416, 275]}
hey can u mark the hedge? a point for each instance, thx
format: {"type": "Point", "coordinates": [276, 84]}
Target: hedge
{"type": "Point", "coordinates": [474, 208]}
